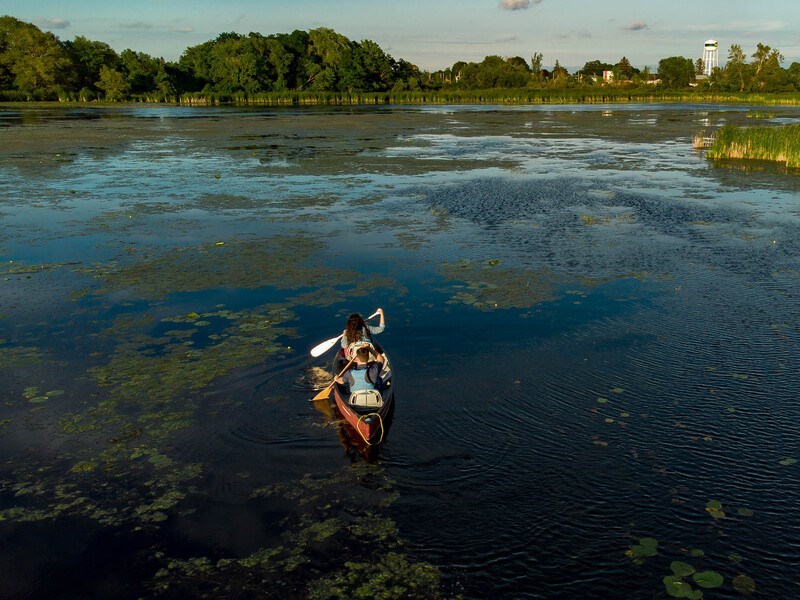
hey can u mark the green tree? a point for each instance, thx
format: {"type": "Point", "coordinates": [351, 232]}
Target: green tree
{"type": "Point", "coordinates": [676, 71]}
{"type": "Point", "coordinates": [324, 53]}
{"type": "Point", "coordinates": [536, 66]}
{"type": "Point", "coordinates": [37, 62]}
{"type": "Point", "coordinates": [623, 69]}
{"type": "Point", "coordinates": [767, 74]}
{"type": "Point", "coordinates": [87, 57]}
{"type": "Point", "coordinates": [113, 83]}
{"type": "Point", "coordinates": [365, 67]}
{"type": "Point", "coordinates": [736, 70]}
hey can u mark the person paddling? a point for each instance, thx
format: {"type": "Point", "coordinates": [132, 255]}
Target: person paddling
{"type": "Point", "coordinates": [365, 373]}
{"type": "Point", "coordinates": [357, 332]}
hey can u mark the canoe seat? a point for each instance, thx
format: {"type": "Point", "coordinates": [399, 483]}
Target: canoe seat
{"type": "Point", "coordinates": [366, 399]}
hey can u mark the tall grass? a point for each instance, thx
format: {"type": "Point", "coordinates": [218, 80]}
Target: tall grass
{"type": "Point", "coordinates": [777, 144]}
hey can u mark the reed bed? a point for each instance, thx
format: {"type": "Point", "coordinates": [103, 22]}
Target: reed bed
{"type": "Point", "coordinates": [777, 144]}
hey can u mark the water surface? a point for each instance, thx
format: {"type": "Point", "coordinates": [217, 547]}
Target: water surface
{"type": "Point", "coordinates": [594, 334]}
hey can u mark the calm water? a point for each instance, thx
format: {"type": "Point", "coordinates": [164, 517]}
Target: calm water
{"type": "Point", "coordinates": [594, 333]}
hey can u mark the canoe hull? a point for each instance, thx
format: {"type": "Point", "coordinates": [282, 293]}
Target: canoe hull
{"type": "Point", "coordinates": [371, 423]}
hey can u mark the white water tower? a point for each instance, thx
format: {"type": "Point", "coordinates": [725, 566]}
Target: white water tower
{"type": "Point", "coordinates": [710, 56]}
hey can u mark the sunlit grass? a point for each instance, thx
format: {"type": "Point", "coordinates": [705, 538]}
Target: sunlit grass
{"type": "Point", "coordinates": [777, 144]}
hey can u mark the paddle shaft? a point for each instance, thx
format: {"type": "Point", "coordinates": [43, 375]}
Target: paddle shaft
{"type": "Point", "coordinates": [323, 394]}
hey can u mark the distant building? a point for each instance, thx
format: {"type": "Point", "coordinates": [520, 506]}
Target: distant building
{"type": "Point", "coordinates": [710, 56]}
{"type": "Point", "coordinates": [608, 76]}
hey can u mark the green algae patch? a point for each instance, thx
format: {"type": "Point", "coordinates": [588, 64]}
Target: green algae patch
{"type": "Point", "coordinates": [281, 262]}
{"type": "Point", "coordinates": [337, 543]}
{"type": "Point", "coordinates": [489, 287]}
{"type": "Point", "coordinates": [15, 357]}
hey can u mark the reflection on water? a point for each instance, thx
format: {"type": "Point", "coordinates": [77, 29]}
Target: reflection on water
{"type": "Point", "coordinates": [594, 332]}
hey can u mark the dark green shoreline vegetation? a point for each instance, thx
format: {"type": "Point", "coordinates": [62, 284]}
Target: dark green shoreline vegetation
{"type": "Point", "coordinates": [776, 144]}
{"type": "Point", "coordinates": [322, 67]}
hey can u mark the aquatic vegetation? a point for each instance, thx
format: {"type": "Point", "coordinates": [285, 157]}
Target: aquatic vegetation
{"type": "Point", "coordinates": [787, 462]}
{"type": "Point", "coordinates": [490, 287]}
{"type": "Point", "coordinates": [714, 508]}
{"type": "Point", "coordinates": [646, 548]}
{"type": "Point", "coordinates": [744, 585]}
{"type": "Point", "coordinates": [779, 144]}
{"type": "Point", "coordinates": [677, 587]}
{"type": "Point", "coordinates": [707, 579]}
{"type": "Point", "coordinates": [339, 546]}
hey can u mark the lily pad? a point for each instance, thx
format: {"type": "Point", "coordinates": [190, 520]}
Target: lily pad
{"type": "Point", "coordinates": [52, 393]}
{"type": "Point", "coordinates": [682, 569]}
{"type": "Point", "coordinates": [602, 400]}
{"type": "Point", "coordinates": [617, 390]}
{"type": "Point", "coordinates": [38, 399]}
{"type": "Point", "coordinates": [744, 585]}
{"type": "Point", "coordinates": [787, 462]}
{"type": "Point", "coordinates": [697, 552]}
{"type": "Point", "coordinates": [708, 579]}
{"type": "Point", "coordinates": [744, 512]}
{"type": "Point", "coordinates": [678, 588]}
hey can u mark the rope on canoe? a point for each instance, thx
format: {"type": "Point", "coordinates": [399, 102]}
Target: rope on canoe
{"type": "Point", "coordinates": [380, 421]}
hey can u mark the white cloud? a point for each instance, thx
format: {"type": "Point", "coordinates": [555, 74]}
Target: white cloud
{"type": "Point", "coordinates": [517, 4]}
{"type": "Point", "coordinates": [636, 26]}
{"type": "Point", "coordinates": [51, 23]}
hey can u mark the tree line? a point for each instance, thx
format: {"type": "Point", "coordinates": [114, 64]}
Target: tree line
{"type": "Point", "coordinates": [37, 65]}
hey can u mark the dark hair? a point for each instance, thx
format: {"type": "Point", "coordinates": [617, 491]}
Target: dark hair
{"type": "Point", "coordinates": [363, 352]}
{"type": "Point", "coordinates": [354, 330]}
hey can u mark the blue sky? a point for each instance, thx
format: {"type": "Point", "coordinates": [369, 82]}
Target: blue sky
{"type": "Point", "coordinates": [433, 34]}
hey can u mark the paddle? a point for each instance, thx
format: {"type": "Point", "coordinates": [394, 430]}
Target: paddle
{"type": "Point", "coordinates": [323, 394]}
{"type": "Point", "coordinates": [323, 347]}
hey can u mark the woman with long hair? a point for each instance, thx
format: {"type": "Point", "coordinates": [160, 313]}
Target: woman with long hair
{"type": "Point", "coordinates": [357, 333]}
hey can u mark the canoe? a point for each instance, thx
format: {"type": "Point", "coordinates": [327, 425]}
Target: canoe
{"type": "Point", "coordinates": [368, 412]}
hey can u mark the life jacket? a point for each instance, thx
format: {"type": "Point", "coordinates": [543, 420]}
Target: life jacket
{"type": "Point", "coordinates": [363, 377]}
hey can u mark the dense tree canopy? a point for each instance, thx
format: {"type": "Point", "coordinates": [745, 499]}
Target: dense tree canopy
{"type": "Point", "coordinates": [36, 65]}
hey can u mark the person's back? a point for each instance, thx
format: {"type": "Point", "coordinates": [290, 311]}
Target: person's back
{"type": "Point", "coordinates": [365, 374]}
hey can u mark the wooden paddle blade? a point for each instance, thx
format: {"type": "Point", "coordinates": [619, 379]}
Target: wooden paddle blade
{"type": "Point", "coordinates": [323, 347]}
{"type": "Point", "coordinates": [322, 394]}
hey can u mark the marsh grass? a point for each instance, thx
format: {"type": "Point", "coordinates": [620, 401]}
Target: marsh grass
{"type": "Point", "coordinates": [778, 144]}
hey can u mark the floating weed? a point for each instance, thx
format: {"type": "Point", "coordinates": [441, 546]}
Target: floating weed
{"type": "Point", "coordinates": [744, 512]}
{"type": "Point", "coordinates": [609, 420]}
{"type": "Point", "coordinates": [624, 415]}
{"type": "Point", "coordinates": [602, 400]}
{"type": "Point", "coordinates": [744, 584]}
{"type": "Point", "coordinates": [739, 376]}
{"type": "Point", "coordinates": [38, 399]}
{"type": "Point", "coordinates": [489, 287]}
{"type": "Point", "coordinates": [617, 390]}
{"type": "Point", "coordinates": [735, 558]}
{"type": "Point", "coordinates": [697, 552]}
{"type": "Point", "coordinates": [646, 548]}
{"type": "Point", "coordinates": [788, 462]}
{"type": "Point", "coordinates": [53, 393]}
{"type": "Point", "coordinates": [714, 508]}
{"type": "Point", "coordinates": [84, 466]}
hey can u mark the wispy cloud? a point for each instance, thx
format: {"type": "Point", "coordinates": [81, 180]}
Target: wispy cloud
{"type": "Point", "coordinates": [51, 23]}
{"type": "Point", "coordinates": [517, 4]}
{"type": "Point", "coordinates": [181, 29]}
{"type": "Point", "coordinates": [636, 26]}
{"type": "Point", "coordinates": [137, 25]}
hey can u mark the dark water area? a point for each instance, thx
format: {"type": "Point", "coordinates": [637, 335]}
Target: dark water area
{"type": "Point", "coordinates": [593, 331]}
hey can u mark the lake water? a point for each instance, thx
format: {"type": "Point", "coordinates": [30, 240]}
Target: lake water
{"type": "Point", "coordinates": [594, 334]}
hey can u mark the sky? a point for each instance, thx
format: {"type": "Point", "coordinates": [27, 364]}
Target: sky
{"type": "Point", "coordinates": [434, 34]}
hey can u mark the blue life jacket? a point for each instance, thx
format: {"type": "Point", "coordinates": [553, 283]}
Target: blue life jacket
{"type": "Point", "coordinates": [363, 376]}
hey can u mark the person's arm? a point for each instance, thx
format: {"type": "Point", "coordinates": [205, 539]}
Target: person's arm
{"type": "Point", "coordinates": [381, 325]}
{"type": "Point", "coordinates": [347, 378]}
{"type": "Point", "coordinates": [345, 342]}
